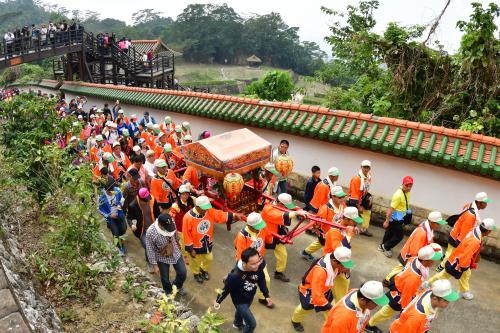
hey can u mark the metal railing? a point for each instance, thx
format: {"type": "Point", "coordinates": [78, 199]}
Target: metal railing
{"type": "Point", "coordinates": [30, 45]}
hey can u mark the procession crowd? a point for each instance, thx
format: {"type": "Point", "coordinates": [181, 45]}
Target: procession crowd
{"type": "Point", "coordinates": [145, 186]}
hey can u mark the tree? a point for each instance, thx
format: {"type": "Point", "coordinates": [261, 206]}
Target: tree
{"type": "Point", "coordinates": [274, 86]}
{"type": "Point", "coordinates": [144, 16]}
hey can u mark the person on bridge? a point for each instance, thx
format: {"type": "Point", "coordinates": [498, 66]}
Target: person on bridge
{"type": "Point", "coordinates": [423, 235]}
{"type": "Point", "coordinates": [254, 235]}
{"type": "Point", "coordinates": [417, 317]}
{"type": "Point", "coordinates": [241, 283]}
{"type": "Point", "coordinates": [398, 214]}
{"type": "Point", "coordinates": [197, 229]}
{"type": "Point", "coordinates": [464, 224]}
{"type": "Point", "coordinates": [360, 197]}
{"type": "Point", "coordinates": [465, 258]}
{"type": "Point", "coordinates": [351, 313]}
{"type": "Point", "coordinates": [332, 212]}
{"type": "Point", "coordinates": [276, 222]}
{"type": "Point", "coordinates": [404, 285]}
{"type": "Point", "coordinates": [322, 190]}
{"type": "Point", "coordinates": [315, 291]}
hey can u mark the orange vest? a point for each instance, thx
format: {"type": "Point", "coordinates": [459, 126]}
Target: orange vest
{"type": "Point", "coordinates": [462, 227]}
{"type": "Point", "coordinates": [321, 195]}
{"type": "Point", "coordinates": [335, 238]}
{"type": "Point", "coordinates": [244, 240]}
{"type": "Point", "coordinates": [96, 152]}
{"type": "Point", "coordinates": [465, 254]}
{"type": "Point", "coordinates": [198, 229]}
{"type": "Point", "coordinates": [343, 317]}
{"type": "Point", "coordinates": [416, 241]}
{"type": "Point", "coordinates": [191, 175]}
{"type": "Point", "coordinates": [415, 318]}
{"type": "Point", "coordinates": [314, 292]}
{"type": "Point", "coordinates": [160, 190]}
{"type": "Point", "coordinates": [275, 219]}
{"type": "Point", "coordinates": [331, 213]}
{"type": "Point", "coordinates": [407, 283]}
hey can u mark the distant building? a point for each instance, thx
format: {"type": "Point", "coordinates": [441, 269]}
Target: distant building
{"type": "Point", "coordinates": [254, 61]}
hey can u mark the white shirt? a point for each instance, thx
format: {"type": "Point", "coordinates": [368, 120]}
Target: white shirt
{"type": "Point", "coordinates": [149, 168]}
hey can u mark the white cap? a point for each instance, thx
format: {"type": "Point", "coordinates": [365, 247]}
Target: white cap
{"type": "Point", "coordinates": [120, 111]}
{"type": "Point", "coordinates": [343, 255]}
{"type": "Point", "coordinates": [99, 111]}
{"type": "Point", "coordinates": [168, 119]}
{"type": "Point", "coordinates": [134, 116]}
{"type": "Point", "coordinates": [62, 109]}
{"type": "Point", "coordinates": [374, 290]}
{"type": "Point", "coordinates": [73, 138]}
{"type": "Point", "coordinates": [271, 168]}
{"type": "Point", "coordinates": [80, 116]}
{"type": "Point", "coordinates": [352, 213]}
{"type": "Point", "coordinates": [113, 125]}
{"type": "Point", "coordinates": [156, 126]}
{"type": "Point", "coordinates": [436, 217]}
{"type": "Point", "coordinates": [286, 199]}
{"type": "Point", "coordinates": [148, 153]}
{"type": "Point", "coordinates": [160, 134]}
{"type": "Point", "coordinates": [167, 147]}
{"type": "Point", "coordinates": [366, 163]}
{"type": "Point", "coordinates": [184, 188]}
{"type": "Point", "coordinates": [149, 125]}
{"type": "Point", "coordinates": [488, 224]}
{"type": "Point", "coordinates": [137, 148]}
{"type": "Point", "coordinates": [188, 137]}
{"type": "Point", "coordinates": [255, 221]}
{"type": "Point", "coordinates": [141, 140]}
{"type": "Point", "coordinates": [442, 288]}
{"type": "Point", "coordinates": [333, 171]}
{"type": "Point", "coordinates": [431, 252]}
{"type": "Point", "coordinates": [482, 197]}
{"type": "Point", "coordinates": [108, 123]}
{"type": "Point", "coordinates": [203, 202]}
{"type": "Point", "coordinates": [107, 156]}
{"type": "Point", "coordinates": [337, 191]}
{"type": "Point", "coordinates": [159, 163]}
{"type": "Point", "coordinates": [178, 128]}
{"type": "Point", "coordinates": [185, 124]}
{"type": "Point", "coordinates": [92, 116]}
{"type": "Point", "coordinates": [116, 144]}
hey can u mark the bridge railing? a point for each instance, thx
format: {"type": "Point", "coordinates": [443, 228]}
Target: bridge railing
{"type": "Point", "coordinates": [28, 45]}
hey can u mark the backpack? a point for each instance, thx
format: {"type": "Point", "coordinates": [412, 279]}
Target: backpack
{"type": "Point", "coordinates": [454, 218]}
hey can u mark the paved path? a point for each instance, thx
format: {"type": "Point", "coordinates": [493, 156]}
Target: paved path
{"type": "Point", "coordinates": [481, 314]}
{"type": "Point", "coordinates": [11, 320]}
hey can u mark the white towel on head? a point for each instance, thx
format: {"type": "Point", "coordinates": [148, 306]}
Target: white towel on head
{"type": "Point", "coordinates": [330, 273]}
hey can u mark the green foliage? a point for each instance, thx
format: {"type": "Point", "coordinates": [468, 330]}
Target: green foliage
{"type": "Point", "coordinates": [63, 192]}
{"type": "Point", "coordinates": [395, 75]}
{"type": "Point", "coordinates": [168, 314]}
{"type": "Point", "coordinates": [210, 322]}
{"type": "Point", "coordinates": [274, 86]}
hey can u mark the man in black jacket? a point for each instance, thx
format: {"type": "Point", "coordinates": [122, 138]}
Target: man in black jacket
{"type": "Point", "coordinates": [241, 283]}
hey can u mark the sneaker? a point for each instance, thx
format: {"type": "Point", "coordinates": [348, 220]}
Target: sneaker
{"type": "Point", "coordinates": [307, 256]}
{"type": "Point", "coordinates": [439, 268]}
{"type": "Point", "coordinates": [181, 292]}
{"type": "Point", "coordinates": [264, 302]}
{"type": "Point", "coordinates": [239, 328]}
{"type": "Point", "coordinates": [280, 276]}
{"type": "Point", "coordinates": [198, 278]}
{"type": "Point", "coordinates": [205, 275]}
{"type": "Point", "coordinates": [467, 295]}
{"type": "Point", "coordinates": [298, 327]}
{"type": "Point", "coordinates": [366, 233]}
{"type": "Point", "coordinates": [122, 250]}
{"type": "Point", "coordinates": [387, 253]}
{"type": "Point", "coordinates": [372, 329]}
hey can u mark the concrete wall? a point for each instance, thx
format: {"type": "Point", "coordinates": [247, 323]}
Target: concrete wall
{"type": "Point", "coordinates": [436, 188]}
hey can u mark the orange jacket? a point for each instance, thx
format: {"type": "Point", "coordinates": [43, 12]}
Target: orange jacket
{"type": "Point", "coordinates": [416, 317]}
{"type": "Point", "coordinates": [198, 229]}
{"type": "Point", "coordinates": [331, 213]}
{"type": "Point", "coordinates": [245, 239]}
{"type": "Point", "coordinates": [354, 191]}
{"type": "Point", "coordinates": [407, 283]}
{"type": "Point", "coordinates": [465, 254]}
{"type": "Point", "coordinates": [160, 190]}
{"type": "Point", "coordinates": [96, 152]}
{"type": "Point", "coordinates": [125, 162]}
{"type": "Point", "coordinates": [150, 139]}
{"type": "Point", "coordinates": [275, 219]}
{"type": "Point", "coordinates": [97, 172]}
{"type": "Point", "coordinates": [321, 195]}
{"type": "Point", "coordinates": [314, 293]}
{"type": "Point", "coordinates": [462, 227]}
{"type": "Point", "coordinates": [343, 317]}
{"type": "Point", "coordinates": [263, 185]}
{"type": "Point", "coordinates": [335, 238]}
{"type": "Point", "coordinates": [191, 175]}
{"type": "Point", "coordinates": [417, 240]}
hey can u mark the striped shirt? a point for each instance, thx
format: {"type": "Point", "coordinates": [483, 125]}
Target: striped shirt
{"type": "Point", "coordinates": [156, 242]}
